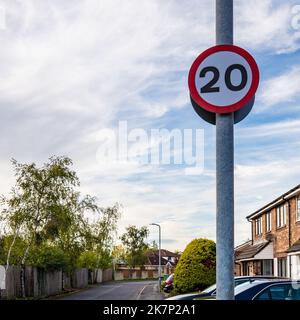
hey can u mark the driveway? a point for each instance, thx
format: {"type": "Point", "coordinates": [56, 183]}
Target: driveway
{"type": "Point", "coordinates": [119, 290]}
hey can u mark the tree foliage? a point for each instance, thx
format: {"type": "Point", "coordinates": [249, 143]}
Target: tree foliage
{"type": "Point", "coordinates": [48, 221]}
{"type": "Point", "coordinates": [134, 242]}
{"type": "Point", "coordinates": [48, 258]}
{"type": "Point", "coordinates": [89, 260]}
{"type": "Point", "coordinates": [119, 254]}
{"type": "Point", "coordinates": [196, 268]}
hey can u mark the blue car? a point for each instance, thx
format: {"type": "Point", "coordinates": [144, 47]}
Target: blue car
{"type": "Point", "coordinates": [268, 290]}
{"type": "Point", "coordinates": [211, 291]}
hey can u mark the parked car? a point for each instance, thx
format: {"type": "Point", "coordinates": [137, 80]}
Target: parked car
{"type": "Point", "coordinates": [269, 290]}
{"type": "Point", "coordinates": [211, 291]}
{"type": "Point", "coordinates": [265, 290]}
{"type": "Point", "coordinates": [169, 283]}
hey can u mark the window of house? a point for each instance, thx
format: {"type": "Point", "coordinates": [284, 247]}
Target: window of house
{"type": "Point", "coordinates": [281, 265]}
{"type": "Point", "coordinates": [245, 268]}
{"type": "Point", "coordinates": [281, 216]}
{"type": "Point", "coordinates": [257, 270]}
{"type": "Point", "coordinates": [258, 227]}
{"type": "Point", "coordinates": [267, 268]}
{"type": "Point", "coordinates": [298, 209]}
{"type": "Point", "coordinates": [268, 222]}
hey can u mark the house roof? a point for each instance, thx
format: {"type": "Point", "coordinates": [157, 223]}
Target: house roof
{"type": "Point", "coordinates": [153, 257]}
{"type": "Point", "coordinates": [273, 203]}
{"type": "Point", "coordinates": [241, 246]}
{"type": "Point", "coordinates": [167, 253]}
{"type": "Point", "coordinates": [295, 247]}
{"type": "Point", "coordinates": [249, 250]}
{"type": "Point", "coordinates": [153, 260]}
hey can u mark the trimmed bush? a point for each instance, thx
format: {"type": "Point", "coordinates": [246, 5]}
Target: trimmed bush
{"type": "Point", "coordinates": [196, 268]}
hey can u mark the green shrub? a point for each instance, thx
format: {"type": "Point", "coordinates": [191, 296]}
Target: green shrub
{"type": "Point", "coordinates": [163, 283]}
{"type": "Point", "coordinates": [17, 251]}
{"type": "Point", "coordinates": [93, 260]}
{"type": "Point", "coordinates": [89, 260]}
{"type": "Point", "coordinates": [196, 268]}
{"type": "Point", "coordinates": [48, 257]}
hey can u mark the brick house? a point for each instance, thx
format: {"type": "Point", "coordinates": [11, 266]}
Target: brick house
{"type": "Point", "coordinates": [168, 260]}
{"type": "Point", "coordinates": [151, 267]}
{"type": "Point", "coordinates": [275, 245]}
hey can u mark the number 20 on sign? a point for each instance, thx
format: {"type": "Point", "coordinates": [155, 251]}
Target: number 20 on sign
{"type": "Point", "coordinates": [223, 79]}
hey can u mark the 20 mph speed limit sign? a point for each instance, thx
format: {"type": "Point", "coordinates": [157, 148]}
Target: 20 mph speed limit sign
{"type": "Point", "coordinates": [223, 79]}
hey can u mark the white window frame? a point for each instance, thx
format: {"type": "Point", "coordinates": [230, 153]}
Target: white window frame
{"type": "Point", "coordinates": [281, 216]}
{"type": "Point", "coordinates": [258, 226]}
{"type": "Point", "coordinates": [298, 208]}
{"type": "Point", "coordinates": [268, 222]}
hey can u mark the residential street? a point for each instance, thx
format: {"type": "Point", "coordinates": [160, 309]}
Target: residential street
{"type": "Point", "coordinates": [119, 290]}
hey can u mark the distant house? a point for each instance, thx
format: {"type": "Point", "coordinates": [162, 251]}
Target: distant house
{"type": "Point", "coordinates": [274, 248]}
{"type": "Point", "coordinates": [168, 260]}
{"type": "Point", "coordinates": [150, 268]}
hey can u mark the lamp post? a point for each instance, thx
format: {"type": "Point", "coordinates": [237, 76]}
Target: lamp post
{"type": "Point", "coordinates": [159, 253]}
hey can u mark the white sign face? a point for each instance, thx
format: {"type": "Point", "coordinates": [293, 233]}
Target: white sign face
{"type": "Point", "coordinates": [2, 277]}
{"type": "Point", "coordinates": [223, 79]}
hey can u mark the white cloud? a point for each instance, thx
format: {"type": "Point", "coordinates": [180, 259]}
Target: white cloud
{"type": "Point", "coordinates": [276, 130]}
{"type": "Point", "coordinates": [97, 56]}
{"type": "Point", "coordinates": [266, 25]}
{"type": "Point", "coordinates": [282, 88]}
{"type": "Point", "coordinates": [69, 69]}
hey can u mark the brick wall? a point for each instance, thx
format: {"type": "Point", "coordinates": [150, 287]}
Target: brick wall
{"type": "Point", "coordinates": [284, 236]}
{"type": "Point", "coordinates": [281, 243]}
{"type": "Point", "coordinates": [295, 225]}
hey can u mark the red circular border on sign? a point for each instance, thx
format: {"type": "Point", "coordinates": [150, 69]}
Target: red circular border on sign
{"type": "Point", "coordinates": [237, 105]}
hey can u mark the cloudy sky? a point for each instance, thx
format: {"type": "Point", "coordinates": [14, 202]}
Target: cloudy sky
{"type": "Point", "coordinates": [69, 69]}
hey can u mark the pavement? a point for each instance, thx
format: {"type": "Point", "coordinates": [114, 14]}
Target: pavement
{"type": "Point", "coordinates": [119, 290]}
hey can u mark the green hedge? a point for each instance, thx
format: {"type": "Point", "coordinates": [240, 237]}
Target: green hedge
{"type": "Point", "coordinates": [196, 268]}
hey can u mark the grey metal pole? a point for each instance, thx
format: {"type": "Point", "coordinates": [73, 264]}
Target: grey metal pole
{"type": "Point", "coordinates": [159, 257]}
{"type": "Point", "coordinates": [225, 171]}
{"type": "Point", "coordinates": [159, 253]}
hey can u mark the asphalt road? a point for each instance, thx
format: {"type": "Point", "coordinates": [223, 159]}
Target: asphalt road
{"type": "Point", "coordinates": [119, 290]}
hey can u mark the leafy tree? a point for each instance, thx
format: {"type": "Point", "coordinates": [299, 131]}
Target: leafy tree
{"type": "Point", "coordinates": [71, 231]}
{"type": "Point", "coordinates": [48, 257]}
{"type": "Point", "coordinates": [89, 260]}
{"type": "Point", "coordinates": [101, 234]}
{"type": "Point", "coordinates": [105, 259]}
{"type": "Point", "coordinates": [196, 268]}
{"type": "Point", "coordinates": [40, 197]}
{"type": "Point", "coordinates": [153, 246]}
{"type": "Point", "coordinates": [98, 237]}
{"type": "Point", "coordinates": [16, 252]}
{"type": "Point", "coordinates": [47, 222]}
{"type": "Point", "coordinates": [135, 245]}
{"type": "Point", "coordinates": [45, 208]}
{"type": "Point", "coordinates": [119, 254]}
